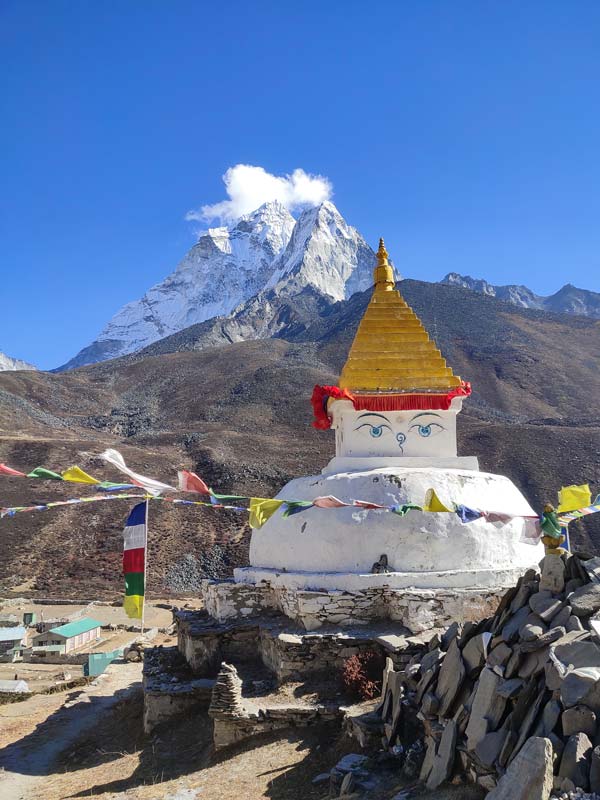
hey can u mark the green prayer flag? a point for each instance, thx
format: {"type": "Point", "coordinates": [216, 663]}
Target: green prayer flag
{"type": "Point", "coordinates": [42, 472]}
{"type": "Point", "coordinates": [295, 506]}
{"type": "Point", "coordinates": [405, 508]}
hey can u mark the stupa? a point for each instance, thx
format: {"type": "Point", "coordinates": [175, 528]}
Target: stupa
{"type": "Point", "coordinates": [394, 415]}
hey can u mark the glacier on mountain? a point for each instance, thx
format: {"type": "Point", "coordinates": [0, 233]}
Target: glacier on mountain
{"type": "Point", "coordinates": [265, 250]}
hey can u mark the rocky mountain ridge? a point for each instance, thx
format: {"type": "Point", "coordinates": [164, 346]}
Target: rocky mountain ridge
{"type": "Point", "coordinates": [568, 300]}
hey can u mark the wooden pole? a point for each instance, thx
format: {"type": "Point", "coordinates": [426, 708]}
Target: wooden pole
{"type": "Point", "coordinates": [145, 569]}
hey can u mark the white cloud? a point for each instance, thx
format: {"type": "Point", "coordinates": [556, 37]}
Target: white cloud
{"type": "Point", "coordinates": [249, 187]}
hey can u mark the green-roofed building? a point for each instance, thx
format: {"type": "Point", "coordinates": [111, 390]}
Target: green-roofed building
{"type": "Point", "coordinates": [69, 637]}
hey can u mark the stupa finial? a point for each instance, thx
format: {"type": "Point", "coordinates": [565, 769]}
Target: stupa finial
{"type": "Point", "coordinates": [384, 274]}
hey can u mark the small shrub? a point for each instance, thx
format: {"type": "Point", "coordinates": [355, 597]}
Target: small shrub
{"type": "Point", "coordinates": [362, 675]}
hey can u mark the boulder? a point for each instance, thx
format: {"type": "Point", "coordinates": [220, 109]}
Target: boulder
{"type": "Point", "coordinates": [525, 728]}
{"type": "Point", "coordinates": [576, 760]}
{"type": "Point", "coordinates": [430, 705]}
{"type": "Point", "coordinates": [473, 652]}
{"type": "Point", "coordinates": [553, 635]}
{"type": "Point", "coordinates": [510, 688]}
{"type": "Point", "coordinates": [510, 632]}
{"type": "Point", "coordinates": [577, 652]}
{"type": "Point", "coordinates": [427, 764]}
{"type": "Point", "coordinates": [595, 771]}
{"type": "Point", "coordinates": [574, 624]}
{"type": "Point", "coordinates": [561, 619]}
{"type": "Point", "coordinates": [521, 597]}
{"type": "Point", "coordinates": [530, 632]}
{"type": "Point", "coordinates": [558, 746]}
{"type": "Point", "coordinates": [431, 659]}
{"type": "Point", "coordinates": [580, 686]}
{"type": "Point", "coordinates": [553, 676]}
{"type": "Point", "coordinates": [578, 719]}
{"type": "Point", "coordinates": [443, 761]}
{"type": "Point", "coordinates": [348, 784]}
{"type": "Point", "coordinates": [533, 663]}
{"type": "Point", "coordinates": [514, 662]}
{"type": "Point", "coordinates": [550, 716]}
{"type": "Point", "coordinates": [499, 655]}
{"type": "Point", "coordinates": [571, 585]}
{"type": "Point", "coordinates": [592, 568]}
{"type": "Point", "coordinates": [489, 748]}
{"type": "Point", "coordinates": [452, 674]}
{"type": "Point", "coordinates": [427, 679]}
{"type": "Point", "coordinates": [544, 605]}
{"type": "Point", "coordinates": [553, 574]}
{"type": "Point", "coordinates": [529, 776]}
{"type": "Point", "coordinates": [585, 601]}
{"type": "Point", "coordinates": [487, 708]}
{"type": "Point", "coordinates": [449, 634]}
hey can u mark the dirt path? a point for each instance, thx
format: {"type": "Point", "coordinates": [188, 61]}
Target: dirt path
{"type": "Point", "coordinates": [33, 733]}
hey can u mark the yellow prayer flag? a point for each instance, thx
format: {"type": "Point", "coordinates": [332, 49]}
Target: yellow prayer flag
{"type": "Point", "coordinates": [433, 502]}
{"type": "Point", "coordinates": [77, 475]}
{"type": "Point", "coordinates": [571, 498]}
{"type": "Point", "coordinates": [133, 605]}
{"type": "Point", "coordinates": [262, 509]}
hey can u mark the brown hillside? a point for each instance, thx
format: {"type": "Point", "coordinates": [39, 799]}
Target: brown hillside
{"type": "Point", "coordinates": [240, 415]}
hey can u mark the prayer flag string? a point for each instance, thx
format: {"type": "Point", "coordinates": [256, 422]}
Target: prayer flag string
{"type": "Point", "coordinates": [261, 509]}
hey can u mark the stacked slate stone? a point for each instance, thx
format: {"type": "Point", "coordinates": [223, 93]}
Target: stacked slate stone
{"type": "Point", "coordinates": [226, 698]}
{"type": "Point", "coordinates": [518, 688]}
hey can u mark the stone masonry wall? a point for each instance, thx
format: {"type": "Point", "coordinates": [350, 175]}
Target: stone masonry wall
{"type": "Point", "coordinates": [170, 690]}
{"type": "Point", "coordinates": [205, 644]}
{"type": "Point", "coordinates": [291, 655]}
{"type": "Point", "coordinates": [416, 609]}
{"type": "Point", "coordinates": [235, 718]}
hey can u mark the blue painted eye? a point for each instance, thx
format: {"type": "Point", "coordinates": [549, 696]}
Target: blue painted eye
{"type": "Point", "coordinates": [376, 431]}
{"type": "Point", "coordinates": [431, 429]}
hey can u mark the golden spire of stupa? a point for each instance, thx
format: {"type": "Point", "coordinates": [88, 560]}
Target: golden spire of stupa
{"type": "Point", "coordinates": [384, 274]}
{"type": "Point", "coordinates": [392, 351]}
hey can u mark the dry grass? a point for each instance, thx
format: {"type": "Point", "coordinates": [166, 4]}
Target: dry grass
{"type": "Point", "coordinates": [118, 763]}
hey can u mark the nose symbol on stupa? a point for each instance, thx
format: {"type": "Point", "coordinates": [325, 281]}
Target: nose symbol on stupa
{"type": "Point", "coordinates": [401, 437]}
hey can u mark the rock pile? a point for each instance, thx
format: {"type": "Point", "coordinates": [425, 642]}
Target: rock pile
{"type": "Point", "coordinates": [512, 702]}
{"type": "Point", "coordinates": [227, 694]}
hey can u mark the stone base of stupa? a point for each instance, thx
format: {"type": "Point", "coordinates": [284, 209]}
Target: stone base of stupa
{"type": "Point", "coordinates": [315, 566]}
{"type": "Point", "coordinates": [417, 609]}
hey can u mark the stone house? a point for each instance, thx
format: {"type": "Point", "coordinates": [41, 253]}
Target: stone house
{"type": "Point", "coordinates": [67, 638]}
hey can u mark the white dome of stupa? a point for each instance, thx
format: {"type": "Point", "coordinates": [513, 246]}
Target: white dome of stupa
{"type": "Point", "coordinates": [394, 415]}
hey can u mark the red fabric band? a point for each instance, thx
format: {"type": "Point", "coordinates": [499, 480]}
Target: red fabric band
{"type": "Point", "coordinates": [381, 402]}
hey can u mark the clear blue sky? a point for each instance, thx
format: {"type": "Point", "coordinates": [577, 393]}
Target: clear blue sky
{"type": "Point", "coordinates": [466, 133]}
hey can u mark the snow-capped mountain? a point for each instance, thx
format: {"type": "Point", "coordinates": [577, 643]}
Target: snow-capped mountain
{"type": "Point", "coordinates": [568, 300]}
{"type": "Point", "coordinates": [326, 253]}
{"type": "Point", "coordinates": [267, 250]}
{"type": "Point", "coordinates": [13, 364]}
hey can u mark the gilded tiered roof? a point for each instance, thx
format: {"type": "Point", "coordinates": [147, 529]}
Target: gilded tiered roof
{"type": "Point", "coordinates": [392, 351]}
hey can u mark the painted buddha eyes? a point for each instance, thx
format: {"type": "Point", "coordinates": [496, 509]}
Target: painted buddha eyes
{"type": "Point", "coordinates": [376, 431]}
{"type": "Point", "coordinates": [377, 426]}
{"type": "Point", "coordinates": [431, 429]}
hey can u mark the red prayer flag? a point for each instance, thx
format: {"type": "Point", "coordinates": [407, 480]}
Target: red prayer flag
{"type": "Point", "coordinates": [4, 470]}
{"type": "Point", "coordinates": [329, 501]}
{"type": "Point", "coordinates": [190, 482]}
{"type": "Point", "coordinates": [366, 504]}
